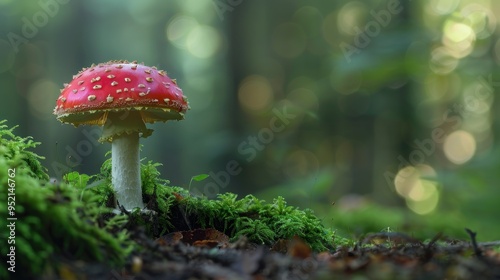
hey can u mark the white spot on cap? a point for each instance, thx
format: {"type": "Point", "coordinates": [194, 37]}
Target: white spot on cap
{"type": "Point", "coordinates": [91, 97]}
{"type": "Point", "coordinates": [109, 99]}
{"type": "Point", "coordinates": [149, 79]}
{"type": "Point", "coordinates": [114, 83]}
{"type": "Point", "coordinates": [97, 87]}
{"type": "Point", "coordinates": [128, 80]}
{"type": "Point", "coordinates": [141, 86]}
{"type": "Point", "coordinates": [111, 76]}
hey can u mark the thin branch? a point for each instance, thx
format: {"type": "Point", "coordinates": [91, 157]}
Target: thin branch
{"type": "Point", "coordinates": [472, 235]}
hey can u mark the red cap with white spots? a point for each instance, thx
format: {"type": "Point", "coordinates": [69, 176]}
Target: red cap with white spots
{"type": "Point", "coordinates": [120, 86]}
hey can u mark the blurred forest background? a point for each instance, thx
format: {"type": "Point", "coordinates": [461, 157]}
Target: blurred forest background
{"type": "Point", "coordinates": [376, 113]}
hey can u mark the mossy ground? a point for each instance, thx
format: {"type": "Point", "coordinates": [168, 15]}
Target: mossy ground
{"type": "Point", "coordinates": [70, 229]}
{"type": "Point", "coordinates": [74, 219]}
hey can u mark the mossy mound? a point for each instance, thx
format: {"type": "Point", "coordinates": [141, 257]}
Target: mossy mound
{"type": "Point", "coordinates": [53, 223]}
{"type": "Point", "coordinates": [74, 220]}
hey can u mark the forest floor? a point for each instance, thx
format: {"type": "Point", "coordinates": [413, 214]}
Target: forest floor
{"type": "Point", "coordinates": [67, 231]}
{"type": "Point", "coordinates": [207, 254]}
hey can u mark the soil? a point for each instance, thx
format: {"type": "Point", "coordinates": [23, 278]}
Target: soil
{"type": "Point", "coordinates": [207, 254]}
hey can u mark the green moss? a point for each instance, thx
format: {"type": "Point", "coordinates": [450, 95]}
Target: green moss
{"type": "Point", "coordinates": [73, 220]}
{"type": "Point", "coordinates": [53, 222]}
{"type": "Point", "coordinates": [261, 222]}
{"type": "Point", "coordinates": [177, 209]}
{"type": "Point", "coordinates": [13, 149]}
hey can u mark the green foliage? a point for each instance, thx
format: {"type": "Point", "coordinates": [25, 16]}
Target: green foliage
{"type": "Point", "coordinates": [198, 178]}
{"type": "Point", "coordinates": [261, 222]}
{"type": "Point", "coordinates": [96, 187]}
{"type": "Point", "coordinates": [52, 221]}
{"type": "Point", "coordinates": [256, 230]}
{"type": "Point", "coordinates": [157, 195]}
{"type": "Point", "coordinates": [76, 179]}
{"type": "Point", "coordinates": [74, 220]}
{"type": "Point", "coordinates": [14, 149]}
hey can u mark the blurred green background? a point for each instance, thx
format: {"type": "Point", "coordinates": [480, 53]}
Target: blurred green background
{"type": "Point", "coordinates": [377, 114]}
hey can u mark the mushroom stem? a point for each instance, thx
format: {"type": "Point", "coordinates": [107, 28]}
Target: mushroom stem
{"type": "Point", "coordinates": [126, 170]}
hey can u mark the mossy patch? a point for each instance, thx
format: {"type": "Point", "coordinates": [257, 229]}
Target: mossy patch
{"type": "Point", "coordinates": [73, 219]}
{"type": "Point", "coordinates": [261, 222]}
{"type": "Point", "coordinates": [53, 223]}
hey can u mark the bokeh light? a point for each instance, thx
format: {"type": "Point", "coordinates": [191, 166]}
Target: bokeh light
{"type": "Point", "coordinates": [459, 147]}
{"type": "Point", "coordinates": [443, 7]}
{"type": "Point", "coordinates": [442, 62]}
{"type": "Point", "coordinates": [178, 29]}
{"type": "Point", "coordinates": [458, 38]}
{"type": "Point", "coordinates": [255, 93]}
{"type": "Point", "coordinates": [416, 184]}
{"type": "Point", "coordinates": [350, 17]}
{"type": "Point", "coordinates": [427, 198]}
{"type": "Point", "coordinates": [203, 41]}
{"type": "Point", "coordinates": [481, 19]}
{"type": "Point", "coordinates": [478, 97]}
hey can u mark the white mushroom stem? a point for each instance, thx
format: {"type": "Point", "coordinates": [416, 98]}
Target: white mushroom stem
{"type": "Point", "coordinates": [123, 131]}
{"type": "Point", "coordinates": [126, 170]}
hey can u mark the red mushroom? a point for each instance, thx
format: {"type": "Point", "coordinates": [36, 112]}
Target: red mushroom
{"type": "Point", "coordinates": [122, 97]}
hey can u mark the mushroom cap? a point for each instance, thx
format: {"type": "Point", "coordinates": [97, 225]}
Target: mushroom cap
{"type": "Point", "coordinates": [117, 86]}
